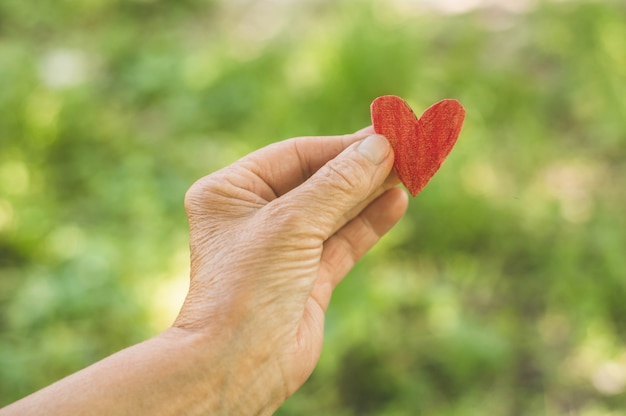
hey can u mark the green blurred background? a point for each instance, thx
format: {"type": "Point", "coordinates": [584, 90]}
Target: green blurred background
{"type": "Point", "coordinates": [503, 290]}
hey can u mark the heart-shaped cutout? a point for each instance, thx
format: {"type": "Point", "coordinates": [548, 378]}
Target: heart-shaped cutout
{"type": "Point", "coordinates": [420, 145]}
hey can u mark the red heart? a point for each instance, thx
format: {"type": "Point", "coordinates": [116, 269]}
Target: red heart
{"type": "Point", "coordinates": [420, 145]}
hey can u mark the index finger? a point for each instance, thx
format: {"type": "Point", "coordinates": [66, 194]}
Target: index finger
{"type": "Point", "coordinates": [287, 164]}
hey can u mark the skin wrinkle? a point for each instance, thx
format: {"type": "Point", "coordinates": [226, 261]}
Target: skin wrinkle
{"type": "Point", "coordinates": [331, 247]}
{"type": "Point", "coordinates": [242, 259]}
{"type": "Point", "coordinates": [253, 199]}
{"type": "Point", "coordinates": [337, 259]}
{"type": "Point", "coordinates": [347, 181]}
{"type": "Point", "coordinates": [321, 293]}
{"type": "Point", "coordinates": [268, 193]}
{"type": "Point", "coordinates": [389, 184]}
{"type": "Point", "coordinates": [288, 220]}
{"type": "Point", "coordinates": [280, 175]}
{"type": "Point", "coordinates": [261, 364]}
{"type": "Point", "coordinates": [261, 276]}
{"type": "Point", "coordinates": [305, 169]}
{"type": "Point", "coordinates": [224, 189]}
{"type": "Point", "coordinates": [352, 257]}
{"type": "Point", "coordinates": [316, 217]}
{"type": "Point", "coordinates": [346, 218]}
{"type": "Point", "coordinates": [307, 165]}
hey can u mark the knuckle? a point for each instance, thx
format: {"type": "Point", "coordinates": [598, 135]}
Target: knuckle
{"type": "Point", "coordinates": [293, 221]}
{"type": "Point", "coordinates": [194, 194]}
{"type": "Point", "coordinates": [201, 192]}
{"type": "Point", "coordinates": [347, 176]}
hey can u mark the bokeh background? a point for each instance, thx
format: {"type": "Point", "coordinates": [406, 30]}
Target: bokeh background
{"type": "Point", "coordinates": [503, 290]}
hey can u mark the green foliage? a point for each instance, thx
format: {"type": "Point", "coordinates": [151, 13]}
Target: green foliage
{"type": "Point", "coordinates": [500, 293]}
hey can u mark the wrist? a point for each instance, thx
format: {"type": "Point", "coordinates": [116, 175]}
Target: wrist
{"type": "Point", "coordinates": [230, 377]}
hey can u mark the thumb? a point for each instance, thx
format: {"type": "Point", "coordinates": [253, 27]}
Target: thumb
{"type": "Point", "coordinates": [329, 197]}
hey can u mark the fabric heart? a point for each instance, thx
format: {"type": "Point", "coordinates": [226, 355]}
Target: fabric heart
{"type": "Point", "coordinates": [420, 145]}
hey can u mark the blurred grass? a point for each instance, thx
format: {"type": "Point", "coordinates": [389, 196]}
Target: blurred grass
{"type": "Point", "coordinates": [502, 292]}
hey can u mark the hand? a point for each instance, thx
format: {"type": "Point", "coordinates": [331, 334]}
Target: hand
{"type": "Point", "coordinates": [271, 237]}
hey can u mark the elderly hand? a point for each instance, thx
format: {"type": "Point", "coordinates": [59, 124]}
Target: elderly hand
{"type": "Point", "coordinates": [271, 237]}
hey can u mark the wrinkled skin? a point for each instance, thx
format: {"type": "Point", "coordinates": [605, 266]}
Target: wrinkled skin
{"type": "Point", "coordinates": [271, 236]}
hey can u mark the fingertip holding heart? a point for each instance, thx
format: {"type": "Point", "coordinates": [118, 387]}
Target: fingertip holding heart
{"type": "Point", "coordinates": [420, 145]}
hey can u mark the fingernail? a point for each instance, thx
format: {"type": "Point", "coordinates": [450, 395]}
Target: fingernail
{"type": "Point", "coordinates": [374, 148]}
